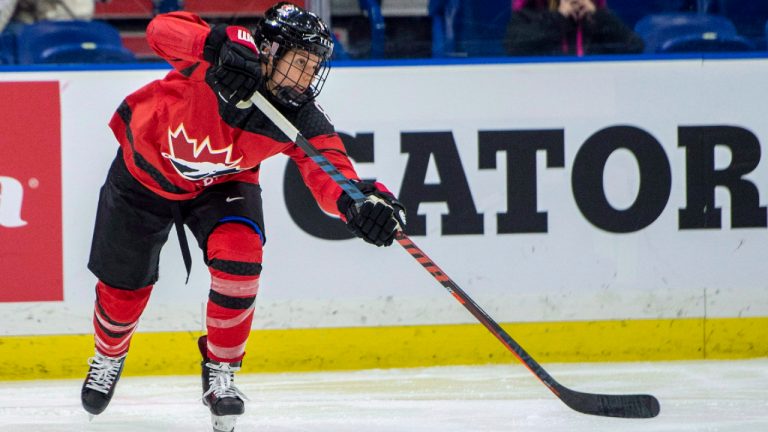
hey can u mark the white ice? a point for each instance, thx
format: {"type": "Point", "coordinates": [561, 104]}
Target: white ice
{"type": "Point", "coordinates": [711, 396]}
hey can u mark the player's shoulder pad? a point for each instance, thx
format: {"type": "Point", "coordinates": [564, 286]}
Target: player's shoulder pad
{"type": "Point", "coordinates": [312, 121]}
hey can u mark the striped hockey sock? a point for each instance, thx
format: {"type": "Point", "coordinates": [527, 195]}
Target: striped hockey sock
{"type": "Point", "coordinates": [115, 317]}
{"type": "Point", "coordinates": [234, 261]}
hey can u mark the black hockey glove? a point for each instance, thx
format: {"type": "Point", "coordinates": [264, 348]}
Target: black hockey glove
{"type": "Point", "coordinates": [235, 72]}
{"type": "Point", "coordinates": [378, 218]}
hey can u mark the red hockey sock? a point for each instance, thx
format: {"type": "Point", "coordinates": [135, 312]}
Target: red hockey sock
{"type": "Point", "coordinates": [115, 316]}
{"type": "Point", "coordinates": [234, 261]}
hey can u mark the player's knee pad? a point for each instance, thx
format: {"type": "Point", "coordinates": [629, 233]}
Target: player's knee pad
{"type": "Point", "coordinates": [115, 316]}
{"type": "Point", "coordinates": [120, 305]}
{"type": "Point", "coordinates": [234, 254]}
{"type": "Point", "coordinates": [235, 248]}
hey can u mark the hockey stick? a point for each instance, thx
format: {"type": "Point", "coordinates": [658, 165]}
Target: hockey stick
{"type": "Point", "coordinates": [629, 406]}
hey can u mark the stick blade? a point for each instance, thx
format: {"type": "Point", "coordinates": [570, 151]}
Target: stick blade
{"type": "Point", "coordinates": [624, 406]}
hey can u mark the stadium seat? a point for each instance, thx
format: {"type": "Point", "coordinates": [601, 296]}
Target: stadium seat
{"type": "Point", "coordinates": [690, 32]}
{"type": "Point", "coordinates": [442, 40]}
{"type": "Point", "coordinates": [70, 42]}
{"type": "Point", "coordinates": [339, 52]}
{"type": "Point", "coordinates": [469, 28]}
{"type": "Point", "coordinates": [7, 48]}
{"type": "Point", "coordinates": [165, 6]}
{"type": "Point", "coordinates": [699, 43]}
{"type": "Point", "coordinates": [631, 11]}
{"type": "Point", "coordinates": [749, 17]}
{"type": "Point", "coordinates": [378, 29]}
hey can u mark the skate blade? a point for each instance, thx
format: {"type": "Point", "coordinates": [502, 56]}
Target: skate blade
{"type": "Point", "coordinates": [223, 423]}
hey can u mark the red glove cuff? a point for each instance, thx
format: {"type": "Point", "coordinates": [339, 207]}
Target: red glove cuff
{"type": "Point", "coordinates": [381, 188]}
{"type": "Point", "coordinates": [242, 36]}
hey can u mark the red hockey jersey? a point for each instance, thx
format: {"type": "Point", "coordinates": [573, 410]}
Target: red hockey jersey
{"type": "Point", "coordinates": [179, 138]}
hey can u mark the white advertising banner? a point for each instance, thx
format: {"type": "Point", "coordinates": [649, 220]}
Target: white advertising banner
{"type": "Point", "coordinates": [548, 192]}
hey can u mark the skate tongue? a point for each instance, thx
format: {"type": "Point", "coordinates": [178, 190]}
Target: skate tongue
{"type": "Point", "coordinates": [103, 373]}
{"type": "Point", "coordinates": [224, 366]}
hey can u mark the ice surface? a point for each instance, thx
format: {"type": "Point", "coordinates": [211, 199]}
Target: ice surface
{"type": "Point", "coordinates": [711, 396]}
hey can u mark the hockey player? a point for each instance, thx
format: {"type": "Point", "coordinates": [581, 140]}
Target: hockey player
{"type": "Point", "coordinates": [190, 149]}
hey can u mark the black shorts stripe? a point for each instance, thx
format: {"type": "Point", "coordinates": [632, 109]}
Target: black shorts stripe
{"type": "Point", "coordinates": [231, 302]}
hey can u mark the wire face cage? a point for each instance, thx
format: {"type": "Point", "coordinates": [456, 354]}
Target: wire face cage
{"type": "Point", "coordinates": [297, 77]}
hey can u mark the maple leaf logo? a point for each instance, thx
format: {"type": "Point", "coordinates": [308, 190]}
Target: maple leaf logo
{"type": "Point", "coordinates": [195, 160]}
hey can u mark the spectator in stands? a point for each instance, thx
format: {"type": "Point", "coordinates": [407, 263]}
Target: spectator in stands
{"type": "Point", "coordinates": [30, 11]}
{"type": "Point", "coordinates": [567, 27]}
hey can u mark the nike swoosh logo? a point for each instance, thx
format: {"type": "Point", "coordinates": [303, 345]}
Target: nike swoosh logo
{"type": "Point", "coordinates": [230, 199]}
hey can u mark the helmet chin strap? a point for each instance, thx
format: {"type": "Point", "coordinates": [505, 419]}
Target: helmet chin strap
{"type": "Point", "coordinates": [288, 96]}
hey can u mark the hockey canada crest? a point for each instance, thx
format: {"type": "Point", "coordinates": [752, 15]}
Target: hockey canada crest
{"type": "Point", "coordinates": [198, 160]}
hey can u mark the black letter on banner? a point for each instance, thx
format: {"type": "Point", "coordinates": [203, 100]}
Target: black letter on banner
{"type": "Point", "coordinates": [521, 147]}
{"type": "Point", "coordinates": [702, 177]}
{"type": "Point", "coordinates": [655, 179]}
{"type": "Point", "coordinates": [453, 189]}
{"type": "Point", "coordinates": [301, 203]}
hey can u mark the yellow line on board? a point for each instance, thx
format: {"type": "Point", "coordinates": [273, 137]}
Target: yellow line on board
{"type": "Point", "coordinates": [175, 353]}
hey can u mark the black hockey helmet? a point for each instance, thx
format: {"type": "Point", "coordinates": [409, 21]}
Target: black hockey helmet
{"type": "Point", "coordinates": [286, 27]}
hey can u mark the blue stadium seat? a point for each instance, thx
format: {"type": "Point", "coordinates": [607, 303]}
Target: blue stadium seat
{"type": "Point", "coordinates": [697, 43]}
{"type": "Point", "coordinates": [443, 38]}
{"type": "Point", "coordinates": [690, 32]}
{"type": "Point", "coordinates": [70, 42]}
{"type": "Point", "coordinates": [631, 11]}
{"type": "Point", "coordinates": [471, 28]}
{"type": "Point", "coordinates": [7, 48]}
{"type": "Point", "coordinates": [378, 29]}
{"type": "Point", "coordinates": [339, 52]}
{"type": "Point", "coordinates": [749, 16]}
{"type": "Point", "coordinates": [165, 6]}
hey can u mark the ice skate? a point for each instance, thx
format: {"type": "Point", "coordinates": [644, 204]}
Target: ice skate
{"type": "Point", "coordinates": [220, 395]}
{"type": "Point", "coordinates": [99, 385]}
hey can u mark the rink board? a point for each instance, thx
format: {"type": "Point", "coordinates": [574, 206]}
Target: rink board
{"type": "Point", "coordinates": [169, 353]}
{"type": "Point", "coordinates": [617, 262]}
